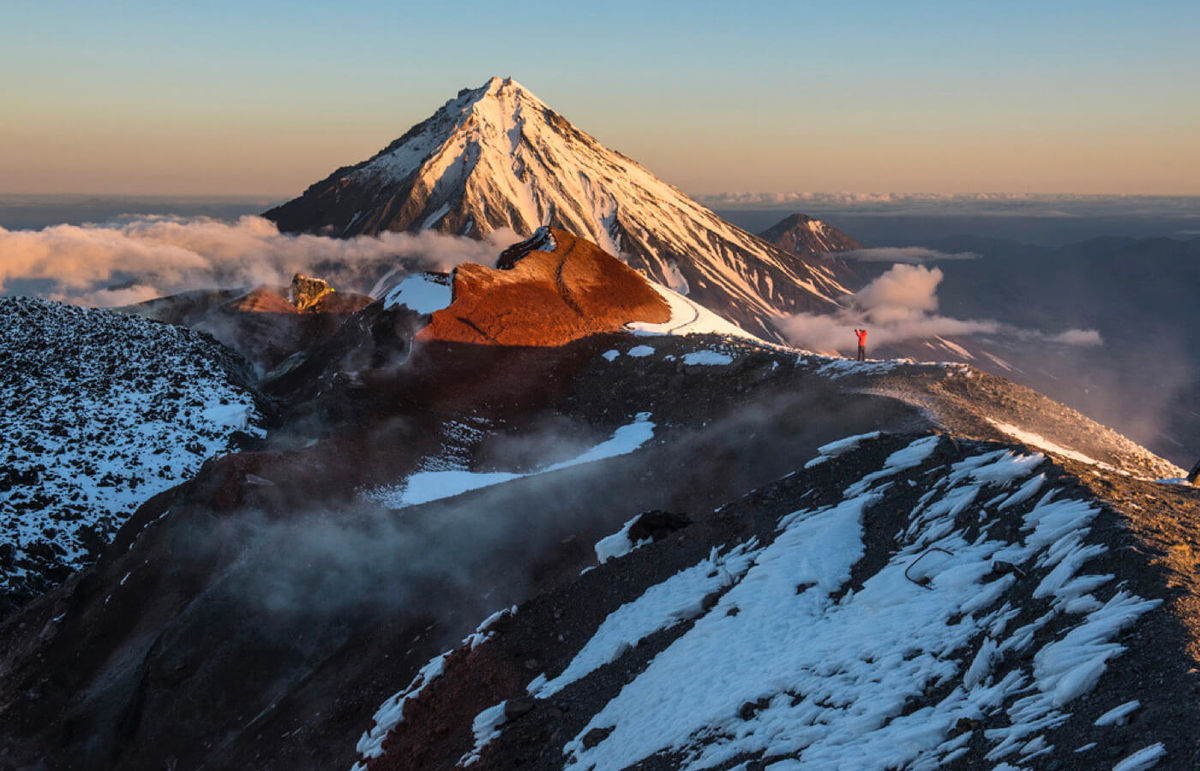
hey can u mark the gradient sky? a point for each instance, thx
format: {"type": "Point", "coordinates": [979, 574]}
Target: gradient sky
{"type": "Point", "coordinates": [250, 98]}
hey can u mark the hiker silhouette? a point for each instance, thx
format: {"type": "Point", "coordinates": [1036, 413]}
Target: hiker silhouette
{"type": "Point", "coordinates": [862, 344]}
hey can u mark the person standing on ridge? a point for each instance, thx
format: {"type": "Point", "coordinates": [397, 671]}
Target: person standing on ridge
{"type": "Point", "coordinates": [862, 344]}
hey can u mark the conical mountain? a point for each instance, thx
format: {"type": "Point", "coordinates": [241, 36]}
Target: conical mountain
{"type": "Point", "coordinates": [497, 157]}
{"type": "Point", "coordinates": [801, 234]}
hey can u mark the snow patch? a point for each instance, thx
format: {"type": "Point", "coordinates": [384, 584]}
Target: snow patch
{"type": "Point", "coordinates": [485, 727]}
{"type": "Point", "coordinates": [707, 358]}
{"type": "Point", "coordinates": [840, 447]}
{"type": "Point", "coordinates": [1118, 715]}
{"type": "Point", "coordinates": [391, 713]}
{"type": "Point", "coordinates": [1147, 757]}
{"type": "Point", "coordinates": [1042, 443]}
{"type": "Point", "coordinates": [618, 544]}
{"type": "Point", "coordinates": [426, 486]}
{"type": "Point", "coordinates": [423, 293]}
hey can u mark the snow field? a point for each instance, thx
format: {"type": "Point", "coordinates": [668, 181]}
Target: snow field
{"type": "Point", "coordinates": [425, 486]}
{"type": "Point", "coordinates": [807, 669]}
{"type": "Point", "coordinates": [688, 318]}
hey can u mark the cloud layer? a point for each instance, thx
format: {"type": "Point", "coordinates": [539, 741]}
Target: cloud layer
{"type": "Point", "coordinates": [904, 254]}
{"type": "Point", "coordinates": [134, 259]}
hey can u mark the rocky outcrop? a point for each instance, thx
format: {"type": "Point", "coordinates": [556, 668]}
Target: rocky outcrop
{"type": "Point", "coordinates": [306, 292]}
{"type": "Point", "coordinates": [266, 324]}
{"type": "Point", "coordinates": [547, 291]}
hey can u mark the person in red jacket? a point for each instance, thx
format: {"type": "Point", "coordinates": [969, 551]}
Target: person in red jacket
{"type": "Point", "coordinates": [862, 344]}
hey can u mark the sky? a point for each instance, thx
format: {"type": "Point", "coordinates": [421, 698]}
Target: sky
{"type": "Point", "coordinates": [264, 98]}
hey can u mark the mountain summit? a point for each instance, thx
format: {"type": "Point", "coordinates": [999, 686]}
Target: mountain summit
{"type": "Point", "coordinates": [803, 235]}
{"type": "Point", "coordinates": [497, 157]}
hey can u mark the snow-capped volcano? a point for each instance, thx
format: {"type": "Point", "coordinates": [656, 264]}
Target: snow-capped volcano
{"type": "Point", "coordinates": [497, 157]}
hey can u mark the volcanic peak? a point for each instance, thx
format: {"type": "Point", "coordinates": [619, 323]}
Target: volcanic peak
{"type": "Point", "coordinates": [494, 112]}
{"type": "Point", "coordinates": [803, 235]}
{"type": "Point", "coordinates": [496, 157]}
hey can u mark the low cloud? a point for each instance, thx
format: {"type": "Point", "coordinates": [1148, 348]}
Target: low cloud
{"type": "Point", "coordinates": [902, 305]}
{"type": "Point", "coordinates": [974, 204]}
{"type": "Point", "coordinates": [911, 255]}
{"type": "Point", "coordinates": [1084, 337]}
{"type": "Point", "coordinates": [899, 305]}
{"type": "Point", "coordinates": [98, 263]}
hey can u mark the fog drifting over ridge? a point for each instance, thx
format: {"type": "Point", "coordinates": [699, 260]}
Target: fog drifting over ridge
{"type": "Point", "coordinates": [137, 258]}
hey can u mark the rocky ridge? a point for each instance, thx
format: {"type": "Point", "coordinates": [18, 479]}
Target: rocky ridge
{"type": "Point", "coordinates": [549, 290]}
{"type": "Point", "coordinates": [100, 411]}
{"type": "Point", "coordinates": [264, 324]}
{"type": "Point", "coordinates": [1032, 587]}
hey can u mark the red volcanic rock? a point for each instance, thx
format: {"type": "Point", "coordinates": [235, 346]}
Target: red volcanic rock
{"type": "Point", "coordinates": [262, 300]}
{"type": "Point", "coordinates": [536, 297]}
{"type": "Point", "coordinates": [263, 325]}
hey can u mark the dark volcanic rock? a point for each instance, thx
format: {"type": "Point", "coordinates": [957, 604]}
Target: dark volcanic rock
{"type": "Point", "coordinates": [656, 525]}
{"type": "Point", "coordinates": [276, 611]}
{"type": "Point", "coordinates": [265, 324]}
{"type": "Point", "coordinates": [99, 411]}
{"type": "Point", "coordinates": [305, 292]}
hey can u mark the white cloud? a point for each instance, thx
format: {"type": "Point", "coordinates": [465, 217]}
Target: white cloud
{"type": "Point", "coordinates": [902, 305]}
{"type": "Point", "coordinates": [171, 254]}
{"type": "Point", "coordinates": [897, 306]}
{"type": "Point", "coordinates": [1077, 337]}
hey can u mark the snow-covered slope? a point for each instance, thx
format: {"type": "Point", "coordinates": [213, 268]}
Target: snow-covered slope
{"type": "Point", "coordinates": [930, 604]}
{"type": "Point", "coordinates": [858, 558]}
{"type": "Point", "coordinates": [98, 412]}
{"type": "Point", "coordinates": [497, 157]}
